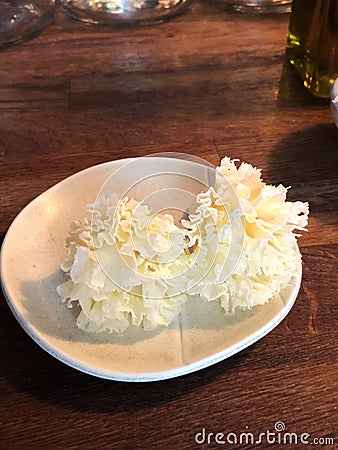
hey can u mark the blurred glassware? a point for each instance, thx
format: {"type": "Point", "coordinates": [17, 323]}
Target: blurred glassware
{"type": "Point", "coordinates": [312, 44]}
{"type": "Point", "coordinates": [114, 12]}
{"type": "Point", "coordinates": [256, 6]}
{"type": "Point", "coordinates": [20, 19]}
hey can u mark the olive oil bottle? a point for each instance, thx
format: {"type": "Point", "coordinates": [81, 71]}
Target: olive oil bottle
{"type": "Point", "coordinates": [312, 43]}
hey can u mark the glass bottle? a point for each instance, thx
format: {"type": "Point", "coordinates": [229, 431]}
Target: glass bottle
{"type": "Point", "coordinates": [312, 44]}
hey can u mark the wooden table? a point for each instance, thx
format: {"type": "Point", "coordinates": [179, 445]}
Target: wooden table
{"type": "Point", "coordinates": [210, 83]}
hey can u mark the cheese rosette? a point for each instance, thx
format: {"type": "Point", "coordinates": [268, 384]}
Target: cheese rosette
{"type": "Point", "coordinates": [125, 266]}
{"type": "Point", "coordinates": [253, 229]}
{"type": "Point", "coordinates": [128, 266]}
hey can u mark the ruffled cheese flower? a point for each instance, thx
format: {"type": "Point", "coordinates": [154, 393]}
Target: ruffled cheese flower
{"type": "Point", "coordinates": [239, 248]}
{"type": "Point", "coordinates": [121, 266]}
{"type": "Point", "coordinates": [252, 228]}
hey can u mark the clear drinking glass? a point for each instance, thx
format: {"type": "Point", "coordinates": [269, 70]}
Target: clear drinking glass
{"type": "Point", "coordinates": [115, 12]}
{"type": "Point", "coordinates": [256, 6]}
{"type": "Point", "coordinates": [20, 19]}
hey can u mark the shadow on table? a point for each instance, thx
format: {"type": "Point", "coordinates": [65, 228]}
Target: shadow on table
{"type": "Point", "coordinates": [307, 160]}
{"type": "Point", "coordinates": [292, 92]}
{"type": "Point", "coordinates": [32, 371]}
{"type": "Point", "coordinates": [51, 381]}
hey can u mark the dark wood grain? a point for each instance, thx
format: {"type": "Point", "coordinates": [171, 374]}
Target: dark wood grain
{"type": "Point", "coordinates": [210, 83]}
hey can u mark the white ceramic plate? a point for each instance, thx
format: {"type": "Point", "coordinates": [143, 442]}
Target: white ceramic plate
{"type": "Point", "coordinates": [31, 253]}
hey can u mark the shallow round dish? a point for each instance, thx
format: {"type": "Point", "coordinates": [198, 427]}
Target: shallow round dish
{"type": "Point", "coordinates": [31, 253]}
{"type": "Point", "coordinates": [126, 12]}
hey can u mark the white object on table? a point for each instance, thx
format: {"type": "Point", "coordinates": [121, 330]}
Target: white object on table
{"type": "Point", "coordinates": [334, 102]}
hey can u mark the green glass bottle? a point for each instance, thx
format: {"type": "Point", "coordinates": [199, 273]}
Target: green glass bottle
{"type": "Point", "coordinates": [312, 43]}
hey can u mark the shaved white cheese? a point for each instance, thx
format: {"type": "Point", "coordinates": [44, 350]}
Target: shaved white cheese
{"type": "Point", "coordinates": [128, 266]}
